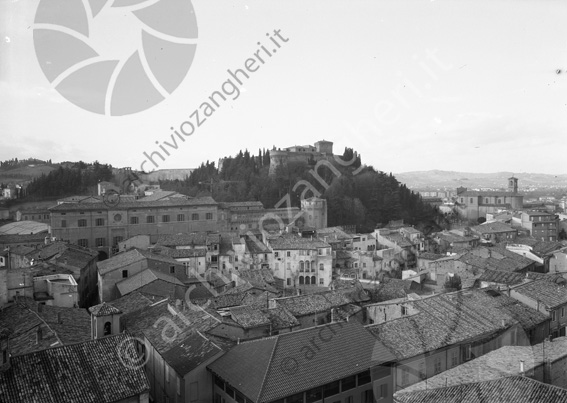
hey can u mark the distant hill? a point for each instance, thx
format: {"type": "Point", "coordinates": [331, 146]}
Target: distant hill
{"type": "Point", "coordinates": [25, 173]}
{"type": "Point", "coordinates": [435, 179]}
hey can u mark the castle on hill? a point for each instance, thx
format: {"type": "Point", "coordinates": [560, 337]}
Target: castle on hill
{"type": "Point", "coordinates": [309, 154]}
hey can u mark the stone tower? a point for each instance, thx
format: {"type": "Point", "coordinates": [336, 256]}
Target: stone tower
{"type": "Point", "coordinates": [513, 185]}
{"type": "Point", "coordinates": [315, 212]}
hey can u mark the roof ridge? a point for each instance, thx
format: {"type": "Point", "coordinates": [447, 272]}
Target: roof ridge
{"type": "Point", "coordinates": [268, 368]}
{"type": "Point", "coordinates": [46, 324]}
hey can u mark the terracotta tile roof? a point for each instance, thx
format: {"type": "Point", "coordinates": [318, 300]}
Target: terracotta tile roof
{"type": "Point", "coordinates": [52, 327]}
{"type": "Point", "coordinates": [496, 364]}
{"type": "Point", "coordinates": [179, 253]}
{"type": "Point", "coordinates": [104, 309]}
{"type": "Point", "coordinates": [493, 228]}
{"type": "Point", "coordinates": [430, 256]}
{"type": "Point", "coordinates": [232, 205]}
{"type": "Point", "coordinates": [6, 239]}
{"type": "Point", "coordinates": [293, 242]}
{"type": "Point", "coordinates": [333, 233]}
{"type": "Point", "coordinates": [502, 277]}
{"type": "Point", "coordinates": [188, 354]}
{"type": "Point", "coordinates": [127, 205]}
{"type": "Point", "coordinates": [488, 193]}
{"type": "Point", "coordinates": [517, 389]}
{"type": "Point", "coordinates": [455, 238]}
{"type": "Point", "coordinates": [249, 317]}
{"type": "Point", "coordinates": [143, 278]}
{"type": "Point", "coordinates": [86, 372]}
{"type": "Point", "coordinates": [443, 320]}
{"type": "Point", "coordinates": [281, 318]}
{"type": "Point", "coordinates": [388, 289]}
{"type": "Point", "coordinates": [547, 292]}
{"type": "Point", "coordinates": [172, 240]}
{"type": "Point", "coordinates": [543, 248]}
{"type": "Point", "coordinates": [271, 368]}
{"type": "Point", "coordinates": [128, 257]}
{"type": "Point", "coordinates": [399, 239]}
{"type": "Point", "coordinates": [131, 302]}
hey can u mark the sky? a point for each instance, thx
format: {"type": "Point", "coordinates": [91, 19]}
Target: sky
{"type": "Point", "coordinates": [414, 85]}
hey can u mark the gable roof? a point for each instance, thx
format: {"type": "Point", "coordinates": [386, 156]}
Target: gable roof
{"type": "Point", "coordinates": [502, 362]}
{"type": "Point", "coordinates": [545, 291]}
{"type": "Point", "coordinates": [517, 389]}
{"type": "Point", "coordinates": [86, 372]}
{"type": "Point", "coordinates": [271, 368]}
{"type": "Point", "coordinates": [128, 257]}
{"type": "Point", "coordinates": [444, 320]}
{"type": "Point", "coordinates": [144, 278]}
{"type": "Point", "coordinates": [104, 309]}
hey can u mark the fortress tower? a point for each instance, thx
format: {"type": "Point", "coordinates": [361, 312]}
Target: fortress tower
{"type": "Point", "coordinates": [281, 157]}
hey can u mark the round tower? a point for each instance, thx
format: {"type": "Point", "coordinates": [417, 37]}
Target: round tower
{"type": "Point", "coordinates": [315, 212]}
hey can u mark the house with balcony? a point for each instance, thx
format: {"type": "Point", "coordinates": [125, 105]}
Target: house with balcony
{"type": "Point", "coordinates": [543, 226]}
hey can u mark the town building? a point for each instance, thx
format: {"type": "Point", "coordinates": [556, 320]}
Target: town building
{"type": "Point", "coordinates": [334, 362]}
{"type": "Point", "coordinates": [472, 205]}
{"type": "Point", "coordinates": [542, 226]}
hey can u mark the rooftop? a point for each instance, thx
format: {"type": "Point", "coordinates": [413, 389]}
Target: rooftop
{"type": "Point", "coordinates": [517, 389]}
{"type": "Point", "coordinates": [260, 367]}
{"type": "Point", "coordinates": [128, 257]}
{"type": "Point", "coordinates": [293, 242]}
{"type": "Point", "coordinates": [128, 205]}
{"type": "Point", "coordinates": [92, 371]}
{"type": "Point", "coordinates": [547, 292]}
{"type": "Point", "coordinates": [496, 364]}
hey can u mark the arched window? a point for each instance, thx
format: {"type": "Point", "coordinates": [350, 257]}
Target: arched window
{"type": "Point", "coordinates": [307, 280]}
{"type": "Point", "coordinates": [301, 265]}
{"type": "Point", "coordinates": [300, 280]}
{"type": "Point", "coordinates": [313, 265]}
{"type": "Point", "coordinates": [307, 264]}
{"type": "Point", "coordinates": [313, 280]}
{"type": "Point", "coordinates": [107, 329]}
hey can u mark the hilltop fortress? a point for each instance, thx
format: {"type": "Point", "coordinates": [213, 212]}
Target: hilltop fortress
{"type": "Point", "coordinates": [323, 150]}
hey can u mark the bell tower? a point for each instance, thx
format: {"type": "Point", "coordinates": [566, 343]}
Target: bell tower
{"type": "Point", "coordinates": [513, 185]}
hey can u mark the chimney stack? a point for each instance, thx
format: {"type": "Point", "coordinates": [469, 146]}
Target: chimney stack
{"type": "Point", "coordinates": [522, 367]}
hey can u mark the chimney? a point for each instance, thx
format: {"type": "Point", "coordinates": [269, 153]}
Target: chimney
{"type": "Point", "coordinates": [38, 335]}
{"type": "Point", "coordinates": [522, 367]}
{"type": "Point", "coordinates": [59, 320]}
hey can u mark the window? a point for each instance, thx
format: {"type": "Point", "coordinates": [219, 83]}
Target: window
{"type": "Point", "coordinates": [195, 216]}
{"type": "Point", "coordinates": [99, 222]}
{"type": "Point", "coordinates": [321, 281]}
{"type": "Point", "coordinates": [167, 373]}
{"type": "Point", "coordinates": [239, 398]}
{"type": "Point", "coordinates": [288, 253]}
{"type": "Point", "coordinates": [100, 242]}
{"type": "Point", "coordinates": [454, 359]}
{"type": "Point", "coordinates": [229, 391]}
{"type": "Point", "coordinates": [314, 395]}
{"type": "Point", "coordinates": [471, 201]}
{"type": "Point", "coordinates": [180, 217]}
{"type": "Point", "coordinates": [553, 316]}
{"type": "Point", "coordinates": [165, 218]}
{"type": "Point", "coordinates": [63, 223]}
{"type": "Point", "coordinates": [82, 222]}
{"type": "Point", "coordinates": [331, 389]}
{"type": "Point", "coordinates": [171, 269]}
{"type": "Point", "coordinates": [364, 378]}
{"type": "Point", "coordinates": [150, 219]}
{"type": "Point", "coordinates": [321, 266]}
{"type": "Point", "coordinates": [437, 365]}
{"type": "Point", "coordinates": [320, 251]}
{"type": "Point", "coordinates": [383, 392]}
{"type": "Point", "coordinates": [276, 254]}
{"type": "Point", "coordinates": [209, 216]}
{"type": "Point", "coordinates": [562, 312]}
{"type": "Point", "coordinates": [124, 273]}
{"type": "Point", "coordinates": [349, 399]}
{"type": "Point", "coordinates": [422, 373]}
{"type": "Point", "coordinates": [404, 310]}
{"type": "Point", "coordinates": [348, 383]}
{"type": "Point", "coordinates": [301, 266]}
{"type": "Point", "coordinates": [467, 352]}
{"type": "Point", "coordinates": [107, 330]}
{"type": "Point", "coordinates": [288, 281]}
{"type": "Point", "coordinates": [83, 242]}
{"type": "Point", "coordinates": [367, 396]}
{"type": "Point", "coordinates": [405, 376]}
{"type": "Point", "coordinates": [134, 220]}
